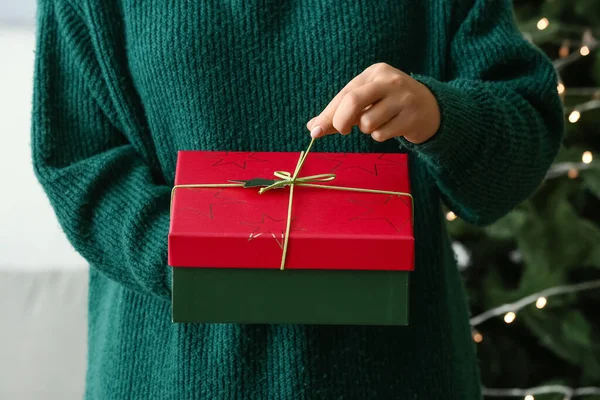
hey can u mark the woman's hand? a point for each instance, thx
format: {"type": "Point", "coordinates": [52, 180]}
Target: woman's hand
{"type": "Point", "coordinates": [384, 102]}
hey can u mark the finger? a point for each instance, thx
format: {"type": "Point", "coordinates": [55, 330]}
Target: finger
{"type": "Point", "coordinates": [325, 119]}
{"type": "Point", "coordinates": [316, 131]}
{"type": "Point", "coordinates": [377, 115]}
{"type": "Point", "coordinates": [397, 126]}
{"type": "Point", "coordinates": [309, 123]}
{"type": "Point", "coordinates": [354, 103]}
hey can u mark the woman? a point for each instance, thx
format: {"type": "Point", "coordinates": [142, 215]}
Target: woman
{"type": "Point", "coordinates": [120, 86]}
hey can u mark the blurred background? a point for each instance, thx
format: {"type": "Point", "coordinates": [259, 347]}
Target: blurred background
{"type": "Point", "coordinates": [43, 282]}
{"type": "Point", "coordinates": [533, 278]}
{"type": "Point", "coordinates": [536, 272]}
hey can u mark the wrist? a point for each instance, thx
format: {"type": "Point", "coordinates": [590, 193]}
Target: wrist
{"type": "Point", "coordinates": [427, 119]}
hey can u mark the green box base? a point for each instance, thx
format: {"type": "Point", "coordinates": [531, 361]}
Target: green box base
{"type": "Point", "coordinates": [266, 296]}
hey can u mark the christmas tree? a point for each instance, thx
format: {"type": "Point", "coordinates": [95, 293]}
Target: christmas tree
{"type": "Point", "coordinates": [547, 251]}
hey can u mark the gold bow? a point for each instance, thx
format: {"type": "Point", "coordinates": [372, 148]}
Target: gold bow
{"type": "Point", "coordinates": [288, 179]}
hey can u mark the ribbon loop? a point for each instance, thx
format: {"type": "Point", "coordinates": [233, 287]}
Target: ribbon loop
{"type": "Point", "coordinates": [287, 179]}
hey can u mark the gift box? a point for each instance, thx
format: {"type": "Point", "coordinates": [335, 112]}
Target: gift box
{"type": "Point", "coordinates": [299, 238]}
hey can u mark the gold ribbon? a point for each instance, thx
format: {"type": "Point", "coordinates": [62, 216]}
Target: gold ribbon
{"type": "Point", "coordinates": [291, 180]}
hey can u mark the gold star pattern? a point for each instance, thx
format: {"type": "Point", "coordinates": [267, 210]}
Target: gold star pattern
{"type": "Point", "coordinates": [366, 162]}
{"type": "Point", "coordinates": [203, 205]}
{"type": "Point", "coordinates": [238, 159]}
{"type": "Point", "coordinates": [269, 226]}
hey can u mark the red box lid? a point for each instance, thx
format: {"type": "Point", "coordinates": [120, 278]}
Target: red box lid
{"type": "Point", "coordinates": [237, 227]}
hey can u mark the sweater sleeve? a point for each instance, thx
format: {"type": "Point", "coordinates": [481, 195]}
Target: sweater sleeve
{"type": "Point", "coordinates": [502, 120]}
{"type": "Point", "coordinates": [112, 205]}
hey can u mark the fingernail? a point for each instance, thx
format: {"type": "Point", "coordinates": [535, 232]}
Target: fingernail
{"type": "Point", "coordinates": [316, 132]}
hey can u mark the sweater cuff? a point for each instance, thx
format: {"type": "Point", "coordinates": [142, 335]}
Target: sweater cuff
{"type": "Point", "coordinates": [453, 136]}
{"type": "Point", "coordinates": [154, 246]}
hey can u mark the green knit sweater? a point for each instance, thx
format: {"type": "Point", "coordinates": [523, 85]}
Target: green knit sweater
{"type": "Point", "coordinates": [121, 86]}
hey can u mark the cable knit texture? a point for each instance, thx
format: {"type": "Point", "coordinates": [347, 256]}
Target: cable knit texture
{"type": "Point", "coordinates": [121, 86]}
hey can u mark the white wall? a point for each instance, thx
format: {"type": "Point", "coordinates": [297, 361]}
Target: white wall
{"type": "Point", "coordinates": [21, 12]}
{"type": "Point", "coordinates": [43, 282]}
{"type": "Point", "coordinates": [29, 233]}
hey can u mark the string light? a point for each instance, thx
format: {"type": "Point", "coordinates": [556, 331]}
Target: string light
{"type": "Point", "coordinates": [571, 169]}
{"type": "Point", "coordinates": [477, 337]}
{"type": "Point", "coordinates": [588, 44]}
{"type": "Point", "coordinates": [568, 392]}
{"type": "Point", "coordinates": [541, 302]}
{"type": "Point", "coordinates": [562, 62]}
{"type": "Point", "coordinates": [509, 317]}
{"type": "Point", "coordinates": [564, 49]}
{"type": "Point", "coordinates": [587, 157]}
{"type": "Point", "coordinates": [450, 216]}
{"type": "Point", "coordinates": [588, 38]}
{"type": "Point", "coordinates": [512, 308]}
{"type": "Point", "coordinates": [574, 116]}
{"type": "Point", "coordinates": [575, 113]}
{"type": "Point", "coordinates": [543, 24]}
{"type": "Point", "coordinates": [573, 173]}
{"type": "Point", "coordinates": [593, 92]}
